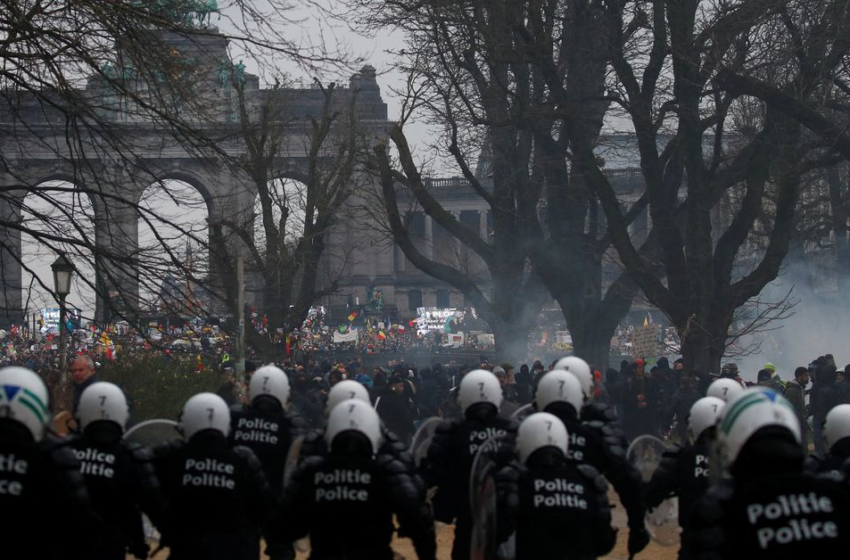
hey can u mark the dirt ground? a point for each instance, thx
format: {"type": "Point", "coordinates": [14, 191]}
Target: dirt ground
{"type": "Point", "coordinates": [404, 549]}
{"type": "Point", "coordinates": [445, 534]}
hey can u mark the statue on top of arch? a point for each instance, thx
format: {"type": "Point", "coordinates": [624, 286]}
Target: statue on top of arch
{"type": "Point", "coordinates": [186, 13]}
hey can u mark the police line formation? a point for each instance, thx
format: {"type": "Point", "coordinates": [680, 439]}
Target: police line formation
{"type": "Point", "coordinates": [534, 486]}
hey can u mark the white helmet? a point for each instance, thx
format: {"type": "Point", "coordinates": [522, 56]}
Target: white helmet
{"type": "Point", "coordinates": [354, 415]}
{"type": "Point", "coordinates": [724, 389]}
{"type": "Point", "coordinates": [559, 386]}
{"type": "Point", "coordinates": [479, 386]}
{"type": "Point", "coordinates": [23, 398]}
{"type": "Point", "coordinates": [704, 414]}
{"type": "Point", "coordinates": [269, 380]}
{"type": "Point", "coordinates": [204, 411]}
{"type": "Point", "coordinates": [581, 370]}
{"type": "Point", "coordinates": [837, 426]}
{"type": "Point", "coordinates": [541, 429]}
{"type": "Point", "coordinates": [344, 390]}
{"type": "Point", "coordinates": [752, 410]}
{"type": "Point", "coordinates": [103, 401]}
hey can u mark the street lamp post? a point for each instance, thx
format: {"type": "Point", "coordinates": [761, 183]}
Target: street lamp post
{"type": "Point", "coordinates": [63, 271]}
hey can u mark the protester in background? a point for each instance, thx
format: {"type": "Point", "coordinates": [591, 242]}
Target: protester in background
{"type": "Point", "coordinates": [510, 380]}
{"type": "Point", "coordinates": [524, 385]}
{"type": "Point", "coordinates": [305, 399]}
{"type": "Point", "coordinates": [667, 379]}
{"type": "Point", "coordinates": [228, 390]}
{"type": "Point", "coordinates": [680, 406]}
{"type": "Point", "coordinates": [795, 392]}
{"type": "Point", "coordinates": [844, 385]}
{"type": "Point", "coordinates": [640, 411]}
{"type": "Point", "coordinates": [537, 371]}
{"type": "Point", "coordinates": [509, 405]}
{"type": "Point", "coordinates": [825, 396]}
{"type": "Point", "coordinates": [396, 411]}
{"type": "Point", "coordinates": [777, 383]}
{"type": "Point", "coordinates": [730, 371]}
{"type": "Point", "coordinates": [83, 371]}
{"type": "Point", "coordinates": [508, 389]}
{"type": "Point", "coordinates": [429, 394]}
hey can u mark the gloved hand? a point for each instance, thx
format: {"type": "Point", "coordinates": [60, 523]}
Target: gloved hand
{"type": "Point", "coordinates": [638, 539]}
{"type": "Point", "coordinates": [140, 550]}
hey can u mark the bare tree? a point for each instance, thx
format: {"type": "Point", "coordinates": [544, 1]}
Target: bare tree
{"type": "Point", "coordinates": [481, 72]}
{"type": "Point", "coordinates": [672, 86]}
{"type": "Point", "coordinates": [460, 64]}
{"type": "Point", "coordinates": [299, 202]}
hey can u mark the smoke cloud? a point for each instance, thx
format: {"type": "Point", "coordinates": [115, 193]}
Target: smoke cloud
{"type": "Point", "coordinates": [818, 325]}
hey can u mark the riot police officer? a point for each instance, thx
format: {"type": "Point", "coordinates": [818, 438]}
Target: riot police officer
{"type": "Point", "coordinates": [264, 426]}
{"type": "Point", "coordinates": [724, 389]}
{"type": "Point", "coordinates": [595, 443]}
{"type": "Point", "coordinates": [558, 509]}
{"type": "Point", "coordinates": [39, 476]}
{"type": "Point", "coordinates": [590, 409]}
{"type": "Point", "coordinates": [217, 495]}
{"type": "Point", "coordinates": [770, 508]}
{"type": "Point", "coordinates": [449, 459]}
{"type": "Point", "coordinates": [268, 430]}
{"type": "Point", "coordinates": [345, 499]}
{"type": "Point", "coordinates": [316, 444]}
{"type": "Point", "coordinates": [120, 476]}
{"type": "Point", "coordinates": [836, 440]}
{"type": "Point", "coordinates": [684, 470]}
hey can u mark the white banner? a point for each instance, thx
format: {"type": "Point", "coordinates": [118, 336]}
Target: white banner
{"type": "Point", "coordinates": [486, 339]}
{"type": "Point", "coordinates": [645, 341]}
{"type": "Point", "coordinates": [350, 336]}
{"type": "Point", "coordinates": [454, 340]}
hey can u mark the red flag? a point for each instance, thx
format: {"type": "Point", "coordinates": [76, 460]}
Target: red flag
{"type": "Point", "coordinates": [288, 350]}
{"type": "Point", "coordinates": [352, 316]}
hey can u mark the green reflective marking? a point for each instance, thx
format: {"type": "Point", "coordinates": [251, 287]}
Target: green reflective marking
{"type": "Point", "coordinates": [34, 410]}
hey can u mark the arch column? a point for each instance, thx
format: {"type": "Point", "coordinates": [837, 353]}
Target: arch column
{"type": "Point", "coordinates": [117, 249]}
{"type": "Point", "coordinates": [233, 205]}
{"type": "Point", "coordinates": [11, 275]}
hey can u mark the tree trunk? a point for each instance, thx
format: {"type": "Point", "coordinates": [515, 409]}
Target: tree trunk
{"type": "Point", "coordinates": [703, 346]}
{"type": "Point", "coordinates": [591, 344]}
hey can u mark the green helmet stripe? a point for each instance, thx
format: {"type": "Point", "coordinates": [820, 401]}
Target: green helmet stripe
{"type": "Point", "coordinates": [37, 399]}
{"type": "Point", "coordinates": [38, 414]}
{"type": "Point", "coordinates": [737, 409]}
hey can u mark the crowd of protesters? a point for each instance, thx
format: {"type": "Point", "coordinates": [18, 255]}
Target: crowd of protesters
{"type": "Point", "coordinates": [652, 400]}
{"type": "Point", "coordinates": [649, 399]}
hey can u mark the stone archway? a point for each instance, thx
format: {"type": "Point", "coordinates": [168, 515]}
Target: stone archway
{"type": "Point", "coordinates": [36, 147]}
{"type": "Point", "coordinates": [57, 217]}
{"type": "Point", "coordinates": [173, 241]}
